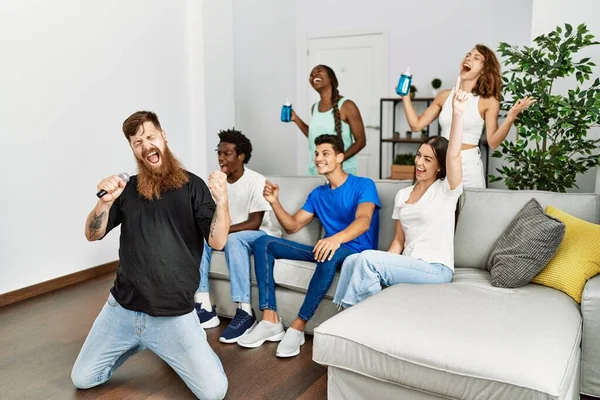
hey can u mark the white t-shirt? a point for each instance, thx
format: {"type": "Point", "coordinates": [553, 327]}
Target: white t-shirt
{"type": "Point", "coordinates": [428, 224]}
{"type": "Point", "coordinates": [246, 197]}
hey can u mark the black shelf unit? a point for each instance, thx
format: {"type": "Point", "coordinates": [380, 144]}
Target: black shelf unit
{"type": "Point", "coordinates": [416, 138]}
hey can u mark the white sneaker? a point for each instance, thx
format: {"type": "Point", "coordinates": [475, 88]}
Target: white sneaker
{"type": "Point", "coordinates": [290, 345]}
{"type": "Point", "coordinates": [264, 331]}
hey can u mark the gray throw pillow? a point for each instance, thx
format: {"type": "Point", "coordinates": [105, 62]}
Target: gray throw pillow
{"type": "Point", "coordinates": [525, 247]}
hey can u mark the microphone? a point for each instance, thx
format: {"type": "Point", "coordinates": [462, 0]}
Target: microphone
{"type": "Point", "coordinates": [122, 175]}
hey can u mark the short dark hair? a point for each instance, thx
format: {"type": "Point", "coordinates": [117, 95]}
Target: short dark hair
{"type": "Point", "coordinates": [237, 138]}
{"type": "Point", "coordinates": [137, 119]}
{"type": "Point", "coordinates": [334, 140]}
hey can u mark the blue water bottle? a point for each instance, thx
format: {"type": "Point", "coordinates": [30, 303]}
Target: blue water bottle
{"type": "Point", "coordinates": [286, 111]}
{"type": "Point", "coordinates": [404, 83]}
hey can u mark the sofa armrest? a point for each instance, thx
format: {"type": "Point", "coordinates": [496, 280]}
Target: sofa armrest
{"type": "Point", "coordinates": [590, 342]}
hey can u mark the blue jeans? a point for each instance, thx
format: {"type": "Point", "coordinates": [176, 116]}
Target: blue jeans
{"type": "Point", "coordinates": [118, 333]}
{"type": "Point", "coordinates": [364, 274]}
{"type": "Point", "coordinates": [268, 248]}
{"type": "Point", "coordinates": [237, 255]}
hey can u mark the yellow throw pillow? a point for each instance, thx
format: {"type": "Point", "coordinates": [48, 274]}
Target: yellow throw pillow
{"type": "Point", "coordinates": [577, 258]}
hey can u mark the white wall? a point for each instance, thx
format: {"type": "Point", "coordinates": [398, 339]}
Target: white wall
{"type": "Point", "coordinates": [270, 52]}
{"type": "Point", "coordinates": [547, 14]}
{"type": "Point", "coordinates": [265, 75]}
{"type": "Point", "coordinates": [430, 36]}
{"type": "Point", "coordinates": [71, 73]}
{"type": "Point", "coordinates": [217, 29]}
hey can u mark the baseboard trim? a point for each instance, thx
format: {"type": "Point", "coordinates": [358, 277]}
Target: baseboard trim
{"type": "Point", "coordinates": [57, 283]}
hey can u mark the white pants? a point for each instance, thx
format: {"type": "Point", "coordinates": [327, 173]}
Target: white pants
{"type": "Point", "coordinates": [472, 168]}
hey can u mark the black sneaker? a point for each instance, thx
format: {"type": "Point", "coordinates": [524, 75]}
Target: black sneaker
{"type": "Point", "coordinates": [208, 319]}
{"type": "Point", "coordinates": [242, 323]}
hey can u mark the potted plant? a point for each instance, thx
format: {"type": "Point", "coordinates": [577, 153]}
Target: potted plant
{"type": "Point", "coordinates": [404, 167]}
{"type": "Point", "coordinates": [436, 84]}
{"type": "Point", "coordinates": [413, 91]}
{"type": "Point", "coordinates": [552, 144]}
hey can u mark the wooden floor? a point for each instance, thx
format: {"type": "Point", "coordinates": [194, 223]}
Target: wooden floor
{"type": "Point", "coordinates": [41, 337]}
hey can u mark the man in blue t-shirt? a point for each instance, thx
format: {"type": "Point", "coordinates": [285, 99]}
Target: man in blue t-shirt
{"type": "Point", "coordinates": [348, 208]}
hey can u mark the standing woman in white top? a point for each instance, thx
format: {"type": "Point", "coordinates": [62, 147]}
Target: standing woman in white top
{"type": "Point", "coordinates": [422, 250]}
{"type": "Point", "coordinates": [481, 79]}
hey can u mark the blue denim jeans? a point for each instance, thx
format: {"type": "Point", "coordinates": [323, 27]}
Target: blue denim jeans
{"type": "Point", "coordinates": [180, 341]}
{"type": "Point", "coordinates": [237, 255]}
{"type": "Point", "coordinates": [268, 248]}
{"type": "Point", "coordinates": [364, 274]}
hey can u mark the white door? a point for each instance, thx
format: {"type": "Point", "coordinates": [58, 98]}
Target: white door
{"type": "Point", "coordinates": [360, 64]}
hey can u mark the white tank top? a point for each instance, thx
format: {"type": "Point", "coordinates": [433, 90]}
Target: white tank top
{"type": "Point", "coordinates": [472, 121]}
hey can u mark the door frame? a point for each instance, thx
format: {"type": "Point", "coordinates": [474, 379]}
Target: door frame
{"type": "Point", "coordinates": [302, 71]}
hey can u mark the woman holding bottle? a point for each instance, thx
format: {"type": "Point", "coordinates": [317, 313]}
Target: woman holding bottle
{"type": "Point", "coordinates": [481, 80]}
{"type": "Point", "coordinates": [332, 114]}
{"type": "Point", "coordinates": [422, 251]}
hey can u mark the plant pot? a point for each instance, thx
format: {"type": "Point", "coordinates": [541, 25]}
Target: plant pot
{"type": "Point", "coordinates": [434, 92]}
{"type": "Point", "coordinates": [412, 95]}
{"type": "Point", "coordinates": [403, 172]}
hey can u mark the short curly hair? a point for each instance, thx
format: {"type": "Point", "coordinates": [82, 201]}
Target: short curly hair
{"type": "Point", "coordinates": [237, 138]}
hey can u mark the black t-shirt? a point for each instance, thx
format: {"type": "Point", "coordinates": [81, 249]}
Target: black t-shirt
{"type": "Point", "coordinates": [161, 247]}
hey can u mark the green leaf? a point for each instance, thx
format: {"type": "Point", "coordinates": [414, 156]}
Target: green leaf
{"type": "Point", "coordinates": [569, 30]}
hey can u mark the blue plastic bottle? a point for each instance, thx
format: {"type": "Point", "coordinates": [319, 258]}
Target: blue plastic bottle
{"type": "Point", "coordinates": [404, 83]}
{"type": "Point", "coordinates": [286, 111]}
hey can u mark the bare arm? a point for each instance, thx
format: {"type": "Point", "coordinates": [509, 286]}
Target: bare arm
{"type": "Point", "coordinates": [419, 122]}
{"type": "Point", "coordinates": [351, 114]}
{"type": "Point", "coordinates": [97, 221]}
{"type": "Point", "coordinates": [301, 124]}
{"type": "Point", "coordinates": [251, 224]}
{"type": "Point", "coordinates": [95, 224]}
{"type": "Point", "coordinates": [397, 245]}
{"type": "Point", "coordinates": [494, 134]}
{"type": "Point", "coordinates": [291, 223]}
{"type": "Point", "coordinates": [361, 223]}
{"type": "Point", "coordinates": [326, 247]}
{"type": "Point", "coordinates": [219, 227]}
{"type": "Point", "coordinates": [453, 158]}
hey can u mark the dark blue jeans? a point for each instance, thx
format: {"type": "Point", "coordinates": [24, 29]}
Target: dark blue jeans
{"type": "Point", "coordinates": [267, 249]}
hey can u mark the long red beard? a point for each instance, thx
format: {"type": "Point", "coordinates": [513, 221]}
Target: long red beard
{"type": "Point", "coordinates": [153, 182]}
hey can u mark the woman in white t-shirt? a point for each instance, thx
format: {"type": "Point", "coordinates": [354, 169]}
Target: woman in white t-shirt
{"type": "Point", "coordinates": [422, 250]}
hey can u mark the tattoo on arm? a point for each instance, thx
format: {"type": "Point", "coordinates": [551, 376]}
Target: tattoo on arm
{"type": "Point", "coordinates": [212, 225]}
{"type": "Point", "coordinates": [96, 223]}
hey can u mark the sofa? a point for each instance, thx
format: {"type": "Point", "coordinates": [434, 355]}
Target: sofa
{"type": "Point", "coordinates": [462, 340]}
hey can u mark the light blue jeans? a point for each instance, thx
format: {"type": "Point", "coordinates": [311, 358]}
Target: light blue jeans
{"type": "Point", "coordinates": [364, 274]}
{"type": "Point", "coordinates": [180, 341]}
{"type": "Point", "coordinates": [237, 255]}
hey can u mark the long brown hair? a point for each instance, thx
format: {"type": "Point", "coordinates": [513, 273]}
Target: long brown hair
{"type": "Point", "coordinates": [489, 83]}
{"type": "Point", "coordinates": [335, 98]}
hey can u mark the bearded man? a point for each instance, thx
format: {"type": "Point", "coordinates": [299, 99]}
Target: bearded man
{"type": "Point", "coordinates": [165, 213]}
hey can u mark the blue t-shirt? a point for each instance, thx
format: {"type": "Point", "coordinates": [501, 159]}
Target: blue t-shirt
{"type": "Point", "coordinates": [336, 209]}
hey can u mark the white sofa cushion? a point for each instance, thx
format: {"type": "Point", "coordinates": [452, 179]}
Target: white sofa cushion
{"type": "Point", "coordinates": [486, 213]}
{"type": "Point", "coordinates": [466, 339]}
